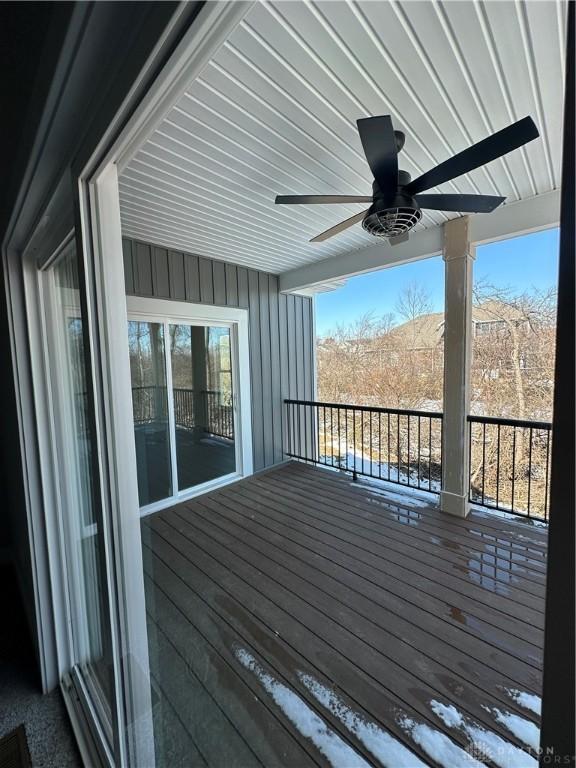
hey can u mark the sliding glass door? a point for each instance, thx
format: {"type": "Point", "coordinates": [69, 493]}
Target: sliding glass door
{"type": "Point", "coordinates": [75, 467]}
{"type": "Point", "coordinates": [202, 395]}
{"type": "Point", "coordinates": [150, 408]}
{"type": "Point", "coordinates": [183, 400]}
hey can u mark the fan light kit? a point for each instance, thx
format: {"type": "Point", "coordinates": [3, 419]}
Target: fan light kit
{"type": "Point", "coordinates": [396, 201]}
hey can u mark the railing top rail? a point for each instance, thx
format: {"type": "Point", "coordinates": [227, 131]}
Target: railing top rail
{"type": "Point", "coordinates": [366, 408]}
{"type": "Point", "coordinates": [510, 422]}
{"type": "Point", "coordinates": [198, 391]}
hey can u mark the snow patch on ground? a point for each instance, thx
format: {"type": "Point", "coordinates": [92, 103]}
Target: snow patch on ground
{"type": "Point", "coordinates": [385, 748]}
{"type": "Point", "coordinates": [407, 498]}
{"type": "Point", "coordinates": [438, 746]}
{"type": "Point", "coordinates": [527, 700]}
{"type": "Point", "coordinates": [491, 511]}
{"type": "Point", "coordinates": [523, 729]}
{"type": "Point", "coordinates": [382, 471]}
{"type": "Point", "coordinates": [336, 751]}
{"type": "Point", "coordinates": [499, 751]}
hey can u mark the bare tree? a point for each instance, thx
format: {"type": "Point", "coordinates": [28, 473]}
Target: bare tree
{"type": "Point", "coordinates": [413, 301]}
{"type": "Point", "coordinates": [513, 361]}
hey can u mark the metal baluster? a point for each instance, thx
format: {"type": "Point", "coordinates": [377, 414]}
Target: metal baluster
{"type": "Point", "coordinates": [498, 466]}
{"type": "Point", "coordinates": [470, 491]}
{"type": "Point", "coordinates": [325, 423]}
{"type": "Point", "coordinates": [332, 437]}
{"type": "Point", "coordinates": [408, 475]}
{"type": "Point", "coordinates": [317, 458]}
{"type": "Point", "coordinates": [483, 458]}
{"type": "Point", "coordinates": [429, 453]}
{"type": "Point", "coordinates": [513, 464]}
{"type": "Point", "coordinates": [388, 457]}
{"type": "Point", "coordinates": [346, 426]}
{"type": "Point", "coordinates": [529, 471]}
{"type": "Point", "coordinates": [306, 413]}
{"type": "Point", "coordinates": [546, 475]}
{"type": "Point", "coordinates": [354, 443]}
{"type": "Point", "coordinates": [304, 442]}
{"type": "Point", "coordinates": [299, 422]}
{"type": "Point", "coordinates": [339, 438]}
{"type": "Point", "coordinates": [441, 447]}
{"type": "Point", "coordinates": [398, 445]}
{"type": "Point", "coordinates": [362, 439]}
{"type": "Point", "coordinates": [380, 444]}
{"type": "Point", "coordinates": [370, 452]}
{"type": "Point", "coordinates": [419, 484]}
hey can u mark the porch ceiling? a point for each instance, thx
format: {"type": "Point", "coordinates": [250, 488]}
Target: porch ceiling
{"type": "Point", "coordinates": [274, 112]}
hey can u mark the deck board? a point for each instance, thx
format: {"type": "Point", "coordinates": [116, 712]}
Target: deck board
{"type": "Point", "coordinates": [375, 602]}
{"type": "Point", "coordinates": [454, 543]}
{"type": "Point", "coordinates": [410, 584]}
{"type": "Point", "coordinates": [313, 578]}
{"type": "Point", "coordinates": [397, 549]}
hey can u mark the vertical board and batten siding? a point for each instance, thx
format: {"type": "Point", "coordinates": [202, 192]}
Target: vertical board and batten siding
{"type": "Point", "coordinates": [281, 328]}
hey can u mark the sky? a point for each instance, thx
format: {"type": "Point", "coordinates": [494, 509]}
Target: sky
{"type": "Point", "coordinates": [521, 263]}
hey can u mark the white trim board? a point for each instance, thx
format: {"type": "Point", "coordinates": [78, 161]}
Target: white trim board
{"type": "Point", "coordinates": [102, 244]}
{"type": "Point", "coordinates": [191, 493]}
{"type": "Point", "coordinates": [520, 218]}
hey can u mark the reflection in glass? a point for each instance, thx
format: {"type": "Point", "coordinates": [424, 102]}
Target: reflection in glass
{"type": "Point", "coordinates": [203, 403]}
{"type": "Point", "coordinates": [75, 446]}
{"type": "Point", "coordinates": [150, 411]}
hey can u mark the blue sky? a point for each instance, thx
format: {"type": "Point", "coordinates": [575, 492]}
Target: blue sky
{"type": "Point", "coordinates": [521, 262]}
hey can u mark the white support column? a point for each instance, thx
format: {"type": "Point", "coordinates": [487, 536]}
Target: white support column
{"type": "Point", "coordinates": [459, 260]}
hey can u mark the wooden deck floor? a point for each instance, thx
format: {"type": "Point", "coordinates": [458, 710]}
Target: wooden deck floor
{"type": "Point", "coordinates": [297, 618]}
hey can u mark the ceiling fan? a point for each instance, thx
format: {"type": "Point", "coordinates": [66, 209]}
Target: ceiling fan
{"type": "Point", "coordinates": [396, 201]}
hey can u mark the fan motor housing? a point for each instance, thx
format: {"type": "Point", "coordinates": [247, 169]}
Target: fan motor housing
{"type": "Point", "coordinates": [385, 219]}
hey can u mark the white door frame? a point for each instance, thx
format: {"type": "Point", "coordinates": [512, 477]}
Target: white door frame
{"type": "Point", "coordinates": [96, 741]}
{"type": "Point", "coordinates": [99, 214]}
{"type": "Point", "coordinates": [68, 495]}
{"type": "Point", "coordinates": [174, 312]}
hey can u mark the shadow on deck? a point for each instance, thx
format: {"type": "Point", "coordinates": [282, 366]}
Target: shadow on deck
{"type": "Point", "coordinates": [297, 618]}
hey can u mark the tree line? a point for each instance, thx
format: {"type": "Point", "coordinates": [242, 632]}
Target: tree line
{"type": "Point", "coordinates": [396, 361]}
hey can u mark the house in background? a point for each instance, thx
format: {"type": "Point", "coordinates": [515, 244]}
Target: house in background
{"type": "Point", "coordinates": [202, 590]}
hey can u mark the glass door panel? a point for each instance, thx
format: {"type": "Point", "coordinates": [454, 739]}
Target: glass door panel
{"type": "Point", "coordinates": [201, 365]}
{"type": "Point", "coordinates": [75, 451]}
{"type": "Point", "coordinates": [150, 411]}
{"type": "Point", "coordinates": [183, 406]}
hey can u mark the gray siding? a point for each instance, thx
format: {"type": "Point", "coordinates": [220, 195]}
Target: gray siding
{"type": "Point", "coordinates": [281, 328]}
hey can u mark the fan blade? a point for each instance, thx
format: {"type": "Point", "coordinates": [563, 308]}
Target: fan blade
{"type": "Point", "coordinates": [339, 227]}
{"type": "Point", "coordinates": [483, 152]}
{"type": "Point", "coordinates": [399, 239]}
{"type": "Point", "coordinates": [463, 203]}
{"type": "Point", "coordinates": [320, 199]}
{"type": "Point", "coordinates": [379, 143]}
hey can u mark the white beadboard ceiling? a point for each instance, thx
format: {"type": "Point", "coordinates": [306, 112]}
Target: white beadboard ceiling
{"type": "Point", "coordinates": [274, 112]}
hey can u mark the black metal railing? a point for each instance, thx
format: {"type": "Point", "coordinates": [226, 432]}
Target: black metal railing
{"type": "Point", "coordinates": [399, 446]}
{"type": "Point", "coordinates": [149, 404]}
{"type": "Point", "coordinates": [184, 408]}
{"type": "Point", "coordinates": [220, 414]}
{"type": "Point", "coordinates": [510, 465]}
{"type": "Point", "coordinates": [208, 410]}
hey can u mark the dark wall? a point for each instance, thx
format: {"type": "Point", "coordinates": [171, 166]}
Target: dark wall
{"type": "Point", "coordinates": [281, 327]}
{"type": "Point", "coordinates": [30, 36]}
